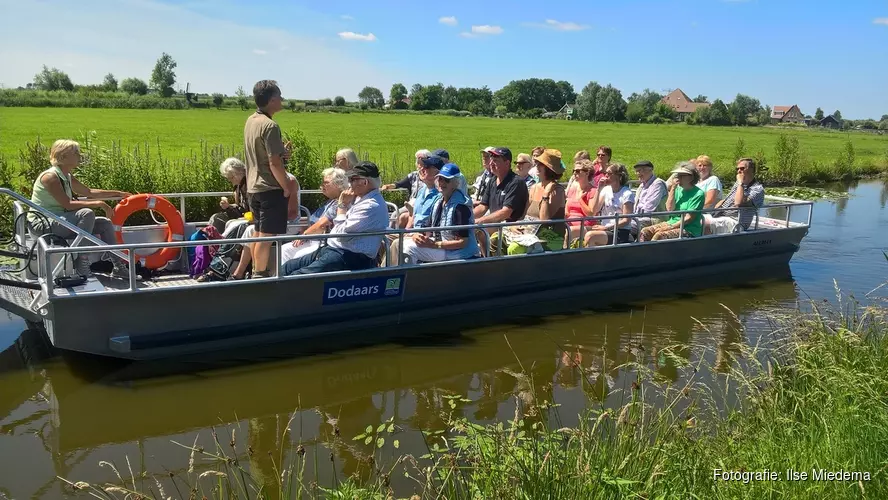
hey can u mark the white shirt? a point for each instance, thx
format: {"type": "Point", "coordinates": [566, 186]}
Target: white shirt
{"type": "Point", "coordinates": [613, 203]}
{"type": "Point", "coordinates": [366, 215]}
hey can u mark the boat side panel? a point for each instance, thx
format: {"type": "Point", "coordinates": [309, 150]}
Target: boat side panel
{"type": "Point", "coordinates": [257, 309]}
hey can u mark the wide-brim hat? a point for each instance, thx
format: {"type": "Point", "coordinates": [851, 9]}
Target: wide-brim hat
{"type": "Point", "coordinates": [688, 168]}
{"type": "Point", "coordinates": [551, 158]}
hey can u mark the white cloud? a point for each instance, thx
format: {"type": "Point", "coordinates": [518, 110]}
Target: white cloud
{"type": "Point", "coordinates": [881, 20]}
{"type": "Point", "coordinates": [486, 29]}
{"type": "Point", "coordinates": [128, 39]}
{"type": "Point", "coordinates": [347, 18]}
{"type": "Point", "coordinates": [260, 52]}
{"type": "Point", "coordinates": [559, 25]}
{"type": "Point", "coordinates": [350, 35]}
{"type": "Point", "coordinates": [449, 21]}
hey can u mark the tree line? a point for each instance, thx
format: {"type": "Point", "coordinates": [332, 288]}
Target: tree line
{"type": "Point", "coordinates": [526, 98]}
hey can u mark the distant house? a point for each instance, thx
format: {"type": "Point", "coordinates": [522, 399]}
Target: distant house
{"type": "Point", "coordinates": [402, 104]}
{"type": "Point", "coordinates": [566, 112]}
{"type": "Point", "coordinates": [787, 114]}
{"type": "Point", "coordinates": [830, 122]}
{"type": "Point", "coordinates": [682, 104]}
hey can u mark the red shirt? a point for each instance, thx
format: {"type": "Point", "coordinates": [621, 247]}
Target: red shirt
{"type": "Point", "coordinates": [573, 209]}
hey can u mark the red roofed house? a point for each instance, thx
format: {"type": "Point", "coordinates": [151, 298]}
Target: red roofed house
{"type": "Point", "coordinates": [682, 104]}
{"type": "Point", "coordinates": [787, 114]}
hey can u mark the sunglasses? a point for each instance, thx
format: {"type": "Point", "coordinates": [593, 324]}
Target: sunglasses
{"type": "Point", "coordinates": [523, 162]}
{"type": "Point", "coordinates": [741, 169]}
{"type": "Point", "coordinates": [601, 155]}
{"type": "Point", "coordinates": [581, 171]}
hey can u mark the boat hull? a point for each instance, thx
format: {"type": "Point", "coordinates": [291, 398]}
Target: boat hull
{"type": "Point", "coordinates": [176, 321]}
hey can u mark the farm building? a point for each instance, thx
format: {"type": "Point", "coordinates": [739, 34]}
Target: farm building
{"type": "Point", "coordinates": [787, 114]}
{"type": "Point", "coordinates": [566, 112]}
{"type": "Point", "coordinates": [830, 122]}
{"type": "Point", "coordinates": [682, 104]}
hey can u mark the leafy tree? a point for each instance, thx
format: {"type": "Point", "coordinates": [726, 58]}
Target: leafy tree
{"type": "Point", "coordinates": [818, 115]}
{"type": "Point", "coordinates": [884, 118]}
{"type": "Point", "coordinates": [426, 97]}
{"type": "Point", "coordinates": [325, 102]}
{"type": "Point", "coordinates": [647, 103]}
{"type": "Point", "coordinates": [163, 77]}
{"type": "Point", "coordinates": [763, 117]}
{"type": "Point", "coordinates": [52, 79]}
{"type": "Point", "coordinates": [568, 96]}
{"type": "Point", "coordinates": [742, 107]}
{"type": "Point", "coordinates": [110, 83]}
{"type": "Point", "coordinates": [523, 95]}
{"type": "Point", "coordinates": [634, 112]}
{"type": "Point", "coordinates": [587, 102]}
{"type": "Point", "coordinates": [719, 114]}
{"type": "Point", "coordinates": [339, 101]}
{"type": "Point", "coordinates": [837, 115]}
{"type": "Point", "coordinates": [241, 97]}
{"type": "Point", "coordinates": [597, 103]}
{"type": "Point", "coordinates": [501, 111]}
{"type": "Point", "coordinates": [371, 97]}
{"type": "Point", "coordinates": [398, 92]}
{"type": "Point", "coordinates": [450, 98]}
{"type": "Point", "coordinates": [134, 86]}
{"type": "Point", "coordinates": [218, 99]}
{"type": "Point", "coordinates": [700, 98]}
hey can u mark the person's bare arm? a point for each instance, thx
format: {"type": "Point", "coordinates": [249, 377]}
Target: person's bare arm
{"type": "Point", "coordinates": [54, 186]}
{"type": "Point", "coordinates": [83, 190]}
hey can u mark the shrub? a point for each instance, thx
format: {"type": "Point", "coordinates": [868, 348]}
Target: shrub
{"type": "Point", "coordinates": [788, 160]}
{"type": "Point", "coordinates": [739, 149]}
{"type": "Point", "coordinates": [218, 99]}
{"type": "Point", "coordinates": [339, 101]}
{"type": "Point", "coordinates": [325, 102]}
{"type": "Point", "coordinates": [844, 165]}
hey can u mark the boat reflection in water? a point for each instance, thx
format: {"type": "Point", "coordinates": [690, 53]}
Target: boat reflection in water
{"type": "Point", "coordinates": [85, 409]}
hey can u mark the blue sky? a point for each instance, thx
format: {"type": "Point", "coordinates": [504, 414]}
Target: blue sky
{"type": "Point", "coordinates": [782, 52]}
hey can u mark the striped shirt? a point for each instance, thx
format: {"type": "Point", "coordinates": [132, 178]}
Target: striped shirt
{"type": "Point", "coordinates": [755, 193]}
{"type": "Point", "coordinates": [368, 214]}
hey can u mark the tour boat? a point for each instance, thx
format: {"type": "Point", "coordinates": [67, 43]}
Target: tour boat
{"type": "Point", "coordinates": [172, 315]}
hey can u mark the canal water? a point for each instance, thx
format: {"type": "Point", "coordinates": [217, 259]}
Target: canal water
{"type": "Point", "coordinates": [61, 416]}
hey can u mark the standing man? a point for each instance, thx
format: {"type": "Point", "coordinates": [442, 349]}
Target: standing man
{"type": "Point", "coordinates": [267, 182]}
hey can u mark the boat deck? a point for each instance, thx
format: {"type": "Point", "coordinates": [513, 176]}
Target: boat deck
{"type": "Point", "coordinates": [17, 300]}
{"type": "Point", "coordinates": [163, 281]}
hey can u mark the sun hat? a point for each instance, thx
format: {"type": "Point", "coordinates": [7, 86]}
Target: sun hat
{"type": "Point", "coordinates": [552, 159]}
{"type": "Point", "coordinates": [688, 168]}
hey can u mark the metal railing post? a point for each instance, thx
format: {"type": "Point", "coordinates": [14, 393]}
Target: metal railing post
{"type": "Point", "coordinates": [131, 260]}
{"type": "Point", "coordinates": [182, 208]}
{"type": "Point", "coordinates": [581, 243]}
{"type": "Point", "coordinates": [681, 225]}
{"type": "Point", "coordinates": [400, 248]}
{"type": "Point", "coordinates": [499, 242]}
{"type": "Point", "coordinates": [278, 254]}
{"type": "Point", "coordinates": [788, 211]}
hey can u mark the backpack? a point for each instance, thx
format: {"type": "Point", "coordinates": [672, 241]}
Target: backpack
{"type": "Point", "coordinates": [203, 254]}
{"type": "Point", "coordinates": [226, 257]}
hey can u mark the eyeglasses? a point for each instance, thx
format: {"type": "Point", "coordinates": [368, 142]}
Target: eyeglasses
{"type": "Point", "coordinates": [601, 155]}
{"type": "Point", "coordinates": [523, 162]}
{"type": "Point", "coordinates": [741, 169]}
{"type": "Point", "coordinates": [354, 178]}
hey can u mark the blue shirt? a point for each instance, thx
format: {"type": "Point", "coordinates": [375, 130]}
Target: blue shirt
{"type": "Point", "coordinates": [327, 210]}
{"type": "Point", "coordinates": [422, 209]}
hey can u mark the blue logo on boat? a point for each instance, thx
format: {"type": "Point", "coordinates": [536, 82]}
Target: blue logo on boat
{"type": "Point", "coordinates": [341, 292]}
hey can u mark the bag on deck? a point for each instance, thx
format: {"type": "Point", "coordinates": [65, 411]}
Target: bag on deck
{"type": "Point", "coordinates": [226, 257]}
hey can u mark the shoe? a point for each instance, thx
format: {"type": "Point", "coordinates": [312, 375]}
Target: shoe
{"type": "Point", "coordinates": [121, 272]}
{"type": "Point", "coordinates": [261, 274]}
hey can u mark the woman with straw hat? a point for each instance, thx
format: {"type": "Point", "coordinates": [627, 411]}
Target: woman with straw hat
{"type": "Point", "coordinates": [546, 202]}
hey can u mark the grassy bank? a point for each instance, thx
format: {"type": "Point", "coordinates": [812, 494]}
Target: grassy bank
{"type": "Point", "coordinates": [813, 399]}
{"type": "Point", "coordinates": [390, 139]}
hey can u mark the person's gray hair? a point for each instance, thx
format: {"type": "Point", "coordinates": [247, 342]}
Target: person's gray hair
{"type": "Point", "coordinates": [375, 182]}
{"type": "Point", "coordinates": [349, 154]}
{"type": "Point", "coordinates": [231, 166]}
{"type": "Point", "coordinates": [337, 177]}
{"type": "Point", "coordinates": [422, 153]}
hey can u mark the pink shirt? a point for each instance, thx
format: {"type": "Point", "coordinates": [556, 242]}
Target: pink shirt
{"type": "Point", "coordinates": [573, 208]}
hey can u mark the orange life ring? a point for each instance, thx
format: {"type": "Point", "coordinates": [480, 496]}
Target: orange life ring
{"type": "Point", "coordinates": [175, 230]}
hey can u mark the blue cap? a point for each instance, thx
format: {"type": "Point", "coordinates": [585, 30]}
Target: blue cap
{"type": "Point", "coordinates": [449, 171]}
{"type": "Point", "coordinates": [432, 161]}
{"type": "Point", "coordinates": [442, 153]}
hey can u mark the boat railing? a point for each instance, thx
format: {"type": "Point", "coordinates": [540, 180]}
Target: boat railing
{"type": "Point", "coordinates": [129, 249]}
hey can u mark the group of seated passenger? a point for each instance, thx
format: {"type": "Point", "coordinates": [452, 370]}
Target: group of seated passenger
{"type": "Point", "coordinates": [438, 196]}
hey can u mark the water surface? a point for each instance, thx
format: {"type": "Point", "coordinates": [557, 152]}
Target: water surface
{"type": "Point", "coordinates": [61, 416]}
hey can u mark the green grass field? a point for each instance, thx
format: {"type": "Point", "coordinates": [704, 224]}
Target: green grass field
{"type": "Point", "coordinates": [385, 137]}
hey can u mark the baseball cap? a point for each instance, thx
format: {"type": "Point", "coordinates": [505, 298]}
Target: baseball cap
{"type": "Point", "coordinates": [442, 153]}
{"type": "Point", "coordinates": [502, 152]}
{"type": "Point", "coordinates": [488, 149]}
{"type": "Point", "coordinates": [644, 163]}
{"type": "Point", "coordinates": [366, 169]}
{"type": "Point", "coordinates": [449, 171]}
{"type": "Point", "coordinates": [432, 161]}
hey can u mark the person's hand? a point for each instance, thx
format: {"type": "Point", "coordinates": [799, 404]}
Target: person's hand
{"type": "Point", "coordinates": [298, 243]}
{"type": "Point", "coordinates": [347, 197]}
{"type": "Point", "coordinates": [386, 187]}
{"type": "Point", "coordinates": [423, 241]}
{"type": "Point", "coordinates": [740, 178]}
{"type": "Point", "coordinates": [223, 203]}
